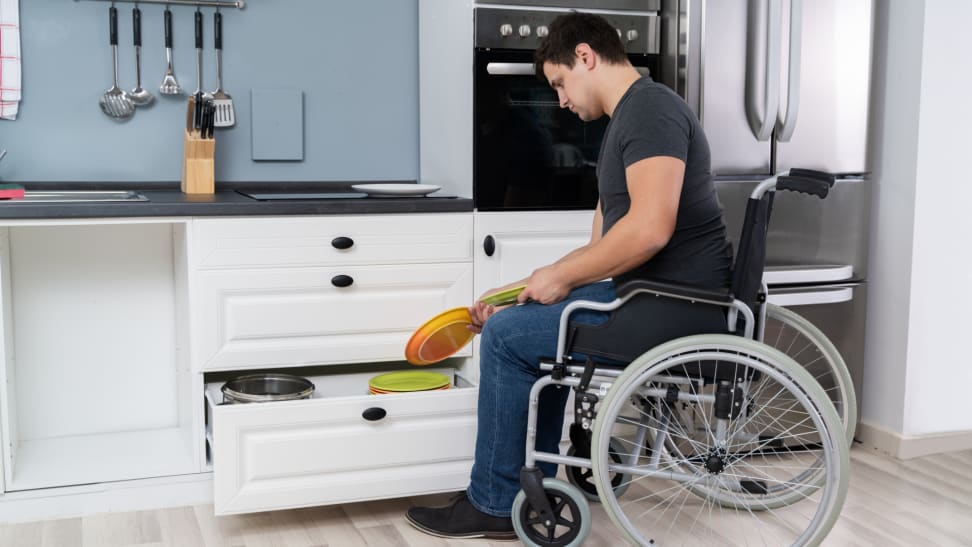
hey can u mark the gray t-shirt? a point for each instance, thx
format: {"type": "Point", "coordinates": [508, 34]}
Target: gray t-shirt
{"type": "Point", "coordinates": [651, 120]}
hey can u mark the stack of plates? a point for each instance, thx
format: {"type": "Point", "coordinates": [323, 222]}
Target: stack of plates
{"type": "Point", "coordinates": [408, 380]}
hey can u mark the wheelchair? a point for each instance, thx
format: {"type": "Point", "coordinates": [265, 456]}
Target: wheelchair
{"type": "Point", "coordinates": [733, 433]}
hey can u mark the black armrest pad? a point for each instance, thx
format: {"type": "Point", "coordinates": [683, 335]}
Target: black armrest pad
{"type": "Point", "coordinates": [684, 291]}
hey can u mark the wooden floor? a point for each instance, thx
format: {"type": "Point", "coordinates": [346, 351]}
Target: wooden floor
{"type": "Point", "coordinates": [921, 502]}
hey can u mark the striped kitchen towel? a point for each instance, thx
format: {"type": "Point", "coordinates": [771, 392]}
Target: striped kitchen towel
{"type": "Point", "coordinates": [9, 59]}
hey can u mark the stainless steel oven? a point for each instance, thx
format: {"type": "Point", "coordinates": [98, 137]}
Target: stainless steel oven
{"type": "Point", "coordinates": [528, 153]}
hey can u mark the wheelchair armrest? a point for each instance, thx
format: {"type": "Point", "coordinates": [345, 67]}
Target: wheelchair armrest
{"type": "Point", "coordinates": [720, 297]}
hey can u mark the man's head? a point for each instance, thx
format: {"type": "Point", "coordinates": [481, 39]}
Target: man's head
{"type": "Point", "coordinates": [576, 45]}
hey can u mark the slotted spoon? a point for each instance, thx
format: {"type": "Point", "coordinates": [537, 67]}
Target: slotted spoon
{"type": "Point", "coordinates": [115, 102]}
{"type": "Point", "coordinates": [169, 84]}
{"type": "Point", "coordinates": [225, 117]}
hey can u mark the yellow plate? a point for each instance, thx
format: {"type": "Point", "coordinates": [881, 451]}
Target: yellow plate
{"type": "Point", "coordinates": [408, 380]}
{"type": "Point", "coordinates": [440, 337]}
{"type": "Point", "coordinates": [504, 297]}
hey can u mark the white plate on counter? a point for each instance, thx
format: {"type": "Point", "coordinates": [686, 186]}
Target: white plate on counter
{"type": "Point", "coordinates": [396, 190]}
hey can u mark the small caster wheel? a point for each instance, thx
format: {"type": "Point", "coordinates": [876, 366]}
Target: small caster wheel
{"type": "Point", "coordinates": [572, 514]}
{"type": "Point", "coordinates": [583, 477]}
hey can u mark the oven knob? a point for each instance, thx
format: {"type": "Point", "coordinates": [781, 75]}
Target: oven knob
{"type": "Point", "coordinates": [542, 31]}
{"type": "Point", "coordinates": [506, 29]}
{"type": "Point", "coordinates": [524, 31]}
{"type": "Point", "coordinates": [632, 35]}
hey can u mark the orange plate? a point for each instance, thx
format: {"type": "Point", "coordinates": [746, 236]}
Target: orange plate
{"type": "Point", "coordinates": [440, 337]}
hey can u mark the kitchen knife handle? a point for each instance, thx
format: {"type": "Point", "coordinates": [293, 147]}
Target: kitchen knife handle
{"type": "Point", "coordinates": [168, 28]}
{"type": "Point", "coordinates": [342, 280]}
{"type": "Point", "coordinates": [218, 30]}
{"type": "Point", "coordinates": [113, 26]}
{"type": "Point", "coordinates": [136, 27]}
{"type": "Point", "coordinates": [199, 36]}
{"type": "Point", "coordinates": [342, 242]}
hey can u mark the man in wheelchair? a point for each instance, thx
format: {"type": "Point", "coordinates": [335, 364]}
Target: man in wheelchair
{"type": "Point", "coordinates": [658, 218]}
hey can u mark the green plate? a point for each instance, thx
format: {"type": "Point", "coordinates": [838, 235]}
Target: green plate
{"type": "Point", "coordinates": [504, 297]}
{"type": "Point", "coordinates": [409, 380]}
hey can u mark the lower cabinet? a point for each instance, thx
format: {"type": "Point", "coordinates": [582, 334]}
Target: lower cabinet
{"type": "Point", "coordinates": [338, 446]}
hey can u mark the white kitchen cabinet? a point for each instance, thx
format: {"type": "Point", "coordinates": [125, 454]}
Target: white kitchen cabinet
{"type": "Point", "coordinates": [322, 450]}
{"type": "Point", "coordinates": [334, 299]}
{"type": "Point", "coordinates": [96, 384]}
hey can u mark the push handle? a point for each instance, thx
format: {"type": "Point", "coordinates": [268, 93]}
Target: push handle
{"type": "Point", "coordinates": [218, 30]}
{"type": "Point", "coordinates": [786, 124]}
{"type": "Point", "coordinates": [342, 280]}
{"type": "Point", "coordinates": [168, 28]}
{"type": "Point", "coordinates": [813, 174]}
{"type": "Point", "coordinates": [137, 27]}
{"type": "Point", "coordinates": [812, 186]}
{"type": "Point", "coordinates": [199, 35]}
{"type": "Point", "coordinates": [342, 242]}
{"type": "Point", "coordinates": [113, 26]}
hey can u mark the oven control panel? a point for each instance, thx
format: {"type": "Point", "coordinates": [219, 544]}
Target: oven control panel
{"type": "Point", "coordinates": [525, 29]}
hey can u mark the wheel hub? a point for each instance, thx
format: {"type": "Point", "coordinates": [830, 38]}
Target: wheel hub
{"type": "Point", "coordinates": [715, 462]}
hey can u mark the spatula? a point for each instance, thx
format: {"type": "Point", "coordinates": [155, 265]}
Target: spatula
{"type": "Point", "coordinates": [225, 117]}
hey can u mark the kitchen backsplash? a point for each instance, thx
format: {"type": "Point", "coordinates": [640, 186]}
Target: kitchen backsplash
{"type": "Point", "coordinates": [354, 61]}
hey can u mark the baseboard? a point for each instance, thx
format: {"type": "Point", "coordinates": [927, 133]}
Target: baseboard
{"type": "Point", "coordinates": [122, 496]}
{"type": "Point", "coordinates": [905, 447]}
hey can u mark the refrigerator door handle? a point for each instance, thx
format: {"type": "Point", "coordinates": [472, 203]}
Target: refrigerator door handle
{"type": "Point", "coordinates": [769, 53]}
{"type": "Point", "coordinates": [812, 297]}
{"type": "Point", "coordinates": [786, 125]}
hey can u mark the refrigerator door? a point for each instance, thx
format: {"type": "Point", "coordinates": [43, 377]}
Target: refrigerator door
{"type": "Point", "coordinates": [732, 79]}
{"type": "Point", "coordinates": [826, 109]}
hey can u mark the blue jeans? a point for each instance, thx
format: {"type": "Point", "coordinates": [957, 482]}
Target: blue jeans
{"type": "Point", "coordinates": [513, 342]}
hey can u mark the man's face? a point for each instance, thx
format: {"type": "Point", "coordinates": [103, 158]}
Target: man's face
{"type": "Point", "coordinates": [573, 89]}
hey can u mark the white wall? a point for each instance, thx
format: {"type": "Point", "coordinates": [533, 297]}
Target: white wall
{"type": "Point", "coordinates": [918, 369]}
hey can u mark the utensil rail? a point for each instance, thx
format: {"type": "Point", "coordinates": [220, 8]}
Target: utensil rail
{"type": "Point", "coordinates": [239, 4]}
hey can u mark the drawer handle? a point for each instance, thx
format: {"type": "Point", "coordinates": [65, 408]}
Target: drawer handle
{"type": "Point", "coordinates": [489, 245]}
{"type": "Point", "coordinates": [342, 242]}
{"type": "Point", "coordinates": [373, 414]}
{"type": "Point", "coordinates": [342, 280]}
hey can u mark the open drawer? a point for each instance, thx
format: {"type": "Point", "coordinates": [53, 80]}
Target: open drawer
{"type": "Point", "coordinates": [322, 450]}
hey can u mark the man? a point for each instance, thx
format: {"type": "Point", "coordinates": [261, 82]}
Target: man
{"type": "Point", "coordinates": [658, 217]}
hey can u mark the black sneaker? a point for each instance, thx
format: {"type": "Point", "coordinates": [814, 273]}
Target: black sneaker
{"type": "Point", "coordinates": [460, 519]}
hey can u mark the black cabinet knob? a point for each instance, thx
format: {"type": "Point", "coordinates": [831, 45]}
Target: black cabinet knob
{"type": "Point", "coordinates": [489, 245]}
{"type": "Point", "coordinates": [342, 242]}
{"type": "Point", "coordinates": [374, 414]}
{"type": "Point", "coordinates": [342, 280]}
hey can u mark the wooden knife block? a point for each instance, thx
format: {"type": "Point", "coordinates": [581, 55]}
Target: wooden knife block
{"type": "Point", "coordinates": [198, 168]}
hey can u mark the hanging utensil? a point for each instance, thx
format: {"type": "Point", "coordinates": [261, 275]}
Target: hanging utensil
{"type": "Point", "coordinates": [139, 96]}
{"type": "Point", "coordinates": [169, 84]}
{"type": "Point", "coordinates": [199, 44]}
{"type": "Point", "coordinates": [225, 117]}
{"type": "Point", "coordinates": [115, 102]}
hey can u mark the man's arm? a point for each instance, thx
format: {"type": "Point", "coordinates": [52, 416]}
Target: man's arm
{"type": "Point", "coordinates": [654, 185]}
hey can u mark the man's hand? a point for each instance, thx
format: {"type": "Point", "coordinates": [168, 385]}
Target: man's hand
{"type": "Point", "coordinates": [546, 285]}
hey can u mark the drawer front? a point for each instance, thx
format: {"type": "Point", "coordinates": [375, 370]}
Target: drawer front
{"type": "Point", "coordinates": [315, 241]}
{"type": "Point", "coordinates": [294, 454]}
{"type": "Point", "coordinates": [285, 317]}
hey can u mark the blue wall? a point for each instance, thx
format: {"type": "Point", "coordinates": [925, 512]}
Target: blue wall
{"type": "Point", "coordinates": [356, 62]}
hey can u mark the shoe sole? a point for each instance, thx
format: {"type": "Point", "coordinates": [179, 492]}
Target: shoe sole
{"type": "Point", "coordinates": [496, 536]}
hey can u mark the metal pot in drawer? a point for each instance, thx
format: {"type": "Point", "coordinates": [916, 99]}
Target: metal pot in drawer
{"type": "Point", "coordinates": [267, 387]}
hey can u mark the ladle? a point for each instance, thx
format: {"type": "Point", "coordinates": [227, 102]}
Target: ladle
{"type": "Point", "coordinates": [115, 102]}
{"type": "Point", "coordinates": [139, 96]}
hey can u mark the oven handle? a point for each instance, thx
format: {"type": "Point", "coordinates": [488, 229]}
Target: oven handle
{"type": "Point", "coordinates": [812, 297]}
{"type": "Point", "coordinates": [528, 69]}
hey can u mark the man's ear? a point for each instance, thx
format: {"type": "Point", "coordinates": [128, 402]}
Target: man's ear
{"type": "Point", "coordinates": [585, 55]}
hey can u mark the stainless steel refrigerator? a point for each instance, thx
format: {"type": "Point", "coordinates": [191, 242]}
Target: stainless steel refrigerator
{"type": "Point", "coordinates": [780, 84]}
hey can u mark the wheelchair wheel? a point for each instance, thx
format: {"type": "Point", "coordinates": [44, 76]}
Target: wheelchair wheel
{"type": "Point", "coordinates": [720, 480]}
{"type": "Point", "coordinates": [800, 340]}
{"type": "Point", "coordinates": [570, 509]}
{"type": "Point", "coordinates": [583, 477]}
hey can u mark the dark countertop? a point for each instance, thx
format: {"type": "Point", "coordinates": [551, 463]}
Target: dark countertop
{"type": "Point", "coordinates": [225, 202]}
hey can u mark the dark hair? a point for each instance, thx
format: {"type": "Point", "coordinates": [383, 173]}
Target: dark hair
{"type": "Point", "coordinates": [574, 28]}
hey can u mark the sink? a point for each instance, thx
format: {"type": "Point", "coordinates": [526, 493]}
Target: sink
{"type": "Point", "coordinates": [76, 196]}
